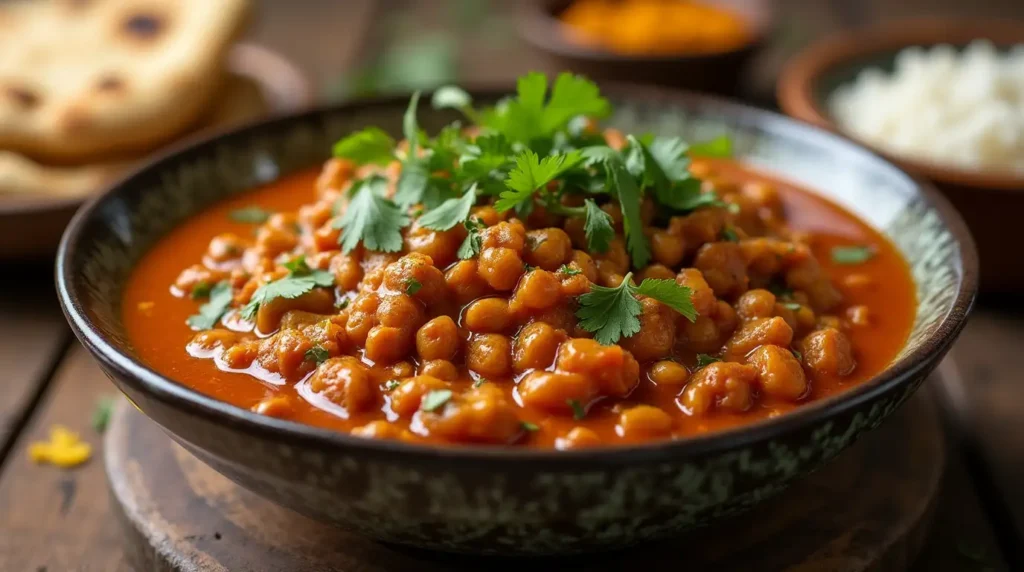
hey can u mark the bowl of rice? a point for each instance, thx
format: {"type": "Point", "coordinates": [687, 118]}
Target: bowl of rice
{"type": "Point", "coordinates": [945, 99]}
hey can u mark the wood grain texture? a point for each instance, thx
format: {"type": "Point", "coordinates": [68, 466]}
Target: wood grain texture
{"type": "Point", "coordinates": [32, 338]}
{"type": "Point", "coordinates": [869, 510]}
{"type": "Point", "coordinates": [56, 519]}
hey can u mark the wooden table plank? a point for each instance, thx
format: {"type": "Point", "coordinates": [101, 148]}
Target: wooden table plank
{"type": "Point", "coordinates": [33, 336]}
{"type": "Point", "coordinates": [56, 519]}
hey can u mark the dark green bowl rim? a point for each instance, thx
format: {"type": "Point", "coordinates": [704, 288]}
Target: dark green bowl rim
{"type": "Point", "coordinates": [141, 378]}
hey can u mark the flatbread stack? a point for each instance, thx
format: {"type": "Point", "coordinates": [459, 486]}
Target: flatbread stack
{"type": "Point", "coordinates": [89, 87]}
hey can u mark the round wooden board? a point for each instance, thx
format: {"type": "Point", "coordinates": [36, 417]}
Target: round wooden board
{"type": "Point", "coordinates": [869, 510]}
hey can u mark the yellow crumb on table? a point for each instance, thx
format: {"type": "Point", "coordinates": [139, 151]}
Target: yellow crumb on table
{"type": "Point", "coordinates": [64, 449]}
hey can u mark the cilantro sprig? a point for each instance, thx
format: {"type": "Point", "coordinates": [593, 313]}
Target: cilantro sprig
{"type": "Point", "coordinates": [300, 280]}
{"type": "Point", "coordinates": [372, 219]}
{"type": "Point", "coordinates": [613, 313]}
{"type": "Point", "coordinates": [211, 312]}
{"type": "Point", "coordinates": [531, 174]}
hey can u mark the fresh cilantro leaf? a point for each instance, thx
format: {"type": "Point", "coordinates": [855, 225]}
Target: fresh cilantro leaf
{"type": "Point", "coordinates": [414, 177]}
{"type": "Point", "coordinates": [526, 118]}
{"type": "Point", "coordinates": [101, 413]}
{"type": "Point", "coordinates": [435, 398]}
{"type": "Point", "coordinates": [578, 412]}
{"type": "Point", "coordinates": [572, 96]}
{"type": "Point", "coordinates": [297, 265]}
{"type": "Point", "coordinates": [471, 246]}
{"type": "Point", "coordinates": [610, 313]}
{"type": "Point", "coordinates": [569, 270]}
{"type": "Point", "coordinates": [316, 354]}
{"type": "Point", "coordinates": [372, 219]}
{"type": "Point", "coordinates": [371, 145]}
{"type": "Point", "coordinates": [291, 286]}
{"type": "Point", "coordinates": [479, 381]}
{"type": "Point", "coordinates": [628, 193]}
{"type": "Point", "coordinates": [211, 312]}
{"type": "Point", "coordinates": [720, 146]}
{"type": "Point", "coordinates": [487, 154]}
{"type": "Point", "coordinates": [391, 384]}
{"type": "Point", "coordinates": [729, 234]}
{"type": "Point", "coordinates": [791, 306]}
{"type": "Point", "coordinates": [251, 215]}
{"type": "Point", "coordinates": [597, 227]}
{"type": "Point", "coordinates": [851, 254]}
{"type": "Point", "coordinates": [687, 195]}
{"type": "Point", "coordinates": [451, 212]}
{"type": "Point", "coordinates": [671, 294]}
{"type": "Point", "coordinates": [613, 313]}
{"type": "Point", "coordinates": [200, 290]}
{"type": "Point", "coordinates": [412, 286]}
{"type": "Point", "coordinates": [704, 360]}
{"type": "Point", "coordinates": [450, 96]}
{"type": "Point", "coordinates": [531, 173]}
{"type": "Point", "coordinates": [527, 426]}
{"type": "Point", "coordinates": [659, 164]}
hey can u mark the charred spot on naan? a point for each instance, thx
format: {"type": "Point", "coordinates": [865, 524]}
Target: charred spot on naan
{"type": "Point", "coordinates": [24, 97]}
{"type": "Point", "coordinates": [145, 26]}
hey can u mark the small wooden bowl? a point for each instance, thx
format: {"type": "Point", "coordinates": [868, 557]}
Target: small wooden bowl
{"type": "Point", "coordinates": [716, 72]}
{"type": "Point", "coordinates": [991, 203]}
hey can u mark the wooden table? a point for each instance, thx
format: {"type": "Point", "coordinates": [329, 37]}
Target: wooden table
{"type": "Point", "coordinates": [54, 520]}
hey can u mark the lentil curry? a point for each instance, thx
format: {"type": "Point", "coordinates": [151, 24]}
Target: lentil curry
{"type": "Point", "coordinates": [526, 280]}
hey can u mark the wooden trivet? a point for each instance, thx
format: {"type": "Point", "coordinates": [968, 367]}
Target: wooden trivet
{"type": "Point", "coordinates": [868, 510]}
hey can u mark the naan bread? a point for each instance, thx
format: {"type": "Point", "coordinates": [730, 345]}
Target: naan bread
{"type": "Point", "coordinates": [88, 79]}
{"type": "Point", "coordinates": [241, 100]}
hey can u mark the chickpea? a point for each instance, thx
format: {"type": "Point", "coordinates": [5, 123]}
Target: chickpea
{"type": "Point", "coordinates": [441, 369]}
{"type": "Point", "coordinates": [405, 399]}
{"type": "Point", "coordinates": [577, 438]}
{"type": "Point", "coordinates": [487, 315]}
{"type": "Point", "coordinates": [828, 352]}
{"type": "Point", "coordinates": [438, 339]}
{"type": "Point", "coordinates": [644, 421]}
{"type": "Point", "coordinates": [346, 382]}
{"type": "Point", "coordinates": [668, 373]}
{"type": "Point", "coordinates": [778, 372]}
{"type": "Point", "coordinates": [535, 346]}
{"type": "Point", "coordinates": [385, 344]}
{"type": "Point", "coordinates": [538, 290]}
{"type": "Point", "coordinates": [756, 303]}
{"type": "Point", "coordinates": [279, 406]}
{"type": "Point", "coordinates": [552, 391]}
{"type": "Point", "coordinates": [500, 268]}
{"type": "Point", "coordinates": [490, 355]}
{"type": "Point", "coordinates": [548, 248]}
{"type": "Point", "coordinates": [667, 248]}
{"type": "Point", "coordinates": [724, 385]}
{"type": "Point", "coordinates": [464, 281]}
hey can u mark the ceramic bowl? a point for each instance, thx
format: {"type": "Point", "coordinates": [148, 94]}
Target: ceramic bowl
{"type": "Point", "coordinates": [491, 500]}
{"type": "Point", "coordinates": [718, 72]}
{"type": "Point", "coordinates": [990, 202]}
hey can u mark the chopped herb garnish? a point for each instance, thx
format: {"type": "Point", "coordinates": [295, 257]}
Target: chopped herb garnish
{"type": "Point", "coordinates": [799, 356]}
{"type": "Point", "coordinates": [528, 268]}
{"type": "Point", "coordinates": [451, 96]}
{"type": "Point", "coordinates": [629, 194]}
{"type": "Point", "coordinates": [435, 398]}
{"type": "Point", "coordinates": [613, 313]}
{"type": "Point", "coordinates": [720, 146]}
{"type": "Point", "coordinates": [391, 384]}
{"type": "Point", "coordinates": [729, 234]}
{"type": "Point", "coordinates": [531, 173]}
{"type": "Point", "coordinates": [569, 270]}
{"type": "Point", "coordinates": [292, 286]}
{"type": "Point", "coordinates": [211, 312]}
{"type": "Point", "coordinates": [851, 254]}
{"type": "Point", "coordinates": [200, 290]}
{"type": "Point", "coordinates": [578, 412]}
{"type": "Point", "coordinates": [412, 286]}
{"type": "Point", "coordinates": [371, 145]}
{"type": "Point", "coordinates": [342, 304]}
{"type": "Point", "coordinates": [479, 381]}
{"type": "Point", "coordinates": [250, 215]}
{"type": "Point", "coordinates": [316, 354]}
{"type": "Point", "coordinates": [527, 117]}
{"type": "Point", "coordinates": [471, 246]}
{"type": "Point", "coordinates": [791, 306]}
{"type": "Point", "coordinates": [370, 218]}
{"type": "Point", "coordinates": [451, 212]}
{"type": "Point", "coordinates": [597, 227]}
{"type": "Point", "coordinates": [101, 413]}
{"type": "Point", "coordinates": [527, 426]}
{"type": "Point", "coordinates": [704, 360]}
{"type": "Point", "coordinates": [297, 265]}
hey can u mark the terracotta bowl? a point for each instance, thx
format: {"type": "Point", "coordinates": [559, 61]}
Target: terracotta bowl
{"type": "Point", "coordinates": [991, 203]}
{"type": "Point", "coordinates": [718, 73]}
{"type": "Point", "coordinates": [493, 500]}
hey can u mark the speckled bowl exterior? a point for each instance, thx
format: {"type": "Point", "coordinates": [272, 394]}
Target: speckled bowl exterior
{"type": "Point", "coordinates": [498, 500]}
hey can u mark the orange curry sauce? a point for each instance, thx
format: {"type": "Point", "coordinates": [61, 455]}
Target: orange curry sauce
{"type": "Point", "coordinates": [156, 319]}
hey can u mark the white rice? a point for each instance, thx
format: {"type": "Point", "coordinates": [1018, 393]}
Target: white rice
{"type": "Point", "coordinates": [962, 109]}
